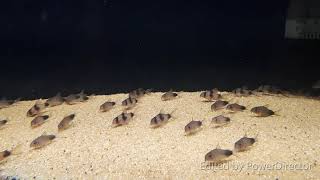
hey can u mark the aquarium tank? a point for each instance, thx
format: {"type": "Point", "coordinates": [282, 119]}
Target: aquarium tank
{"type": "Point", "coordinates": [119, 89]}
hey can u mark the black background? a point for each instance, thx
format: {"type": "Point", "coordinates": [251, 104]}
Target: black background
{"type": "Point", "coordinates": [115, 46]}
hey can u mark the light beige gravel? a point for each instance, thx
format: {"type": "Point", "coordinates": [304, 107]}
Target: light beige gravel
{"type": "Point", "coordinates": [92, 149]}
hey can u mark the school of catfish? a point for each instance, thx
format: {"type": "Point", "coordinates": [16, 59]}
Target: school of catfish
{"type": "Point", "coordinates": [216, 155]}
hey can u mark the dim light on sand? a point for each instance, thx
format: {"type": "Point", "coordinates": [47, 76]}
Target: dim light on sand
{"type": "Point", "coordinates": [288, 145]}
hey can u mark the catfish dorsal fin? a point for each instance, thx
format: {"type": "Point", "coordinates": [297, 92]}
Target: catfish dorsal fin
{"type": "Point", "coordinates": [148, 91]}
{"type": "Point", "coordinates": [81, 92]}
{"type": "Point", "coordinates": [44, 133]}
{"type": "Point", "coordinates": [256, 136]}
{"type": "Point", "coordinates": [173, 111]}
{"type": "Point", "coordinates": [17, 100]}
{"type": "Point", "coordinates": [245, 134]}
{"type": "Point", "coordinates": [218, 146]}
{"type": "Point", "coordinates": [38, 102]}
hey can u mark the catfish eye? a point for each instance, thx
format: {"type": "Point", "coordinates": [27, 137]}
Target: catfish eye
{"type": "Point", "coordinates": [36, 107]}
{"type": "Point", "coordinates": [35, 142]}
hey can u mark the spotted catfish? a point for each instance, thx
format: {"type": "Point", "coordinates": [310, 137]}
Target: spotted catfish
{"type": "Point", "coordinates": [192, 127]}
{"type": "Point", "coordinates": [4, 103]}
{"type": "Point", "coordinates": [242, 92]}
{"type": "Point", "coordinates": [161, 119]}
{"type": "Point", "coordinates": [129, 102]}
{"type": "Point", "coordinates": [42, 141]}
{"type": "Point", "coordinates": [244, 143]}
{"type": "Point", "coordinates": [262, 111]}
{"type": "Point", "coordinates": [138, 93]}
{"type": "Point", "coordinates": [65, 123]}
{"type": "Point", "coordinates": [219, 105]}
{"type": "Point", "coordinates": [107, 106]}
{"type": "Point", "coordinates": [6, 153]}
{"type": "Point", "coordinates": [123, 119]}
{"type": "Point", "coordinates": [76, 98]}
{"type": "Point", "coordinates": [36, 109]}
{"type": "Point", "coordinates": [220, 120]}
{"type": "Point", "coordinates": [235, 107]}
{"type": "Point", "coordinates": [39, 120]}
{"type": "Point", "coordinates": [211, 95]}
{"type": "Point", "coordinates": [217, 155]}
{"type": "Point", "coordinates": [55, 101]}
{"type": "Point", "coordinates": [169, 96]}
{"type": "Point", "coordinates": [269, 90]}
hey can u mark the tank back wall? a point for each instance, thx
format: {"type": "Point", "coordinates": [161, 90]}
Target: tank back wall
{"type": "Point", "coordinates": [291, 68]}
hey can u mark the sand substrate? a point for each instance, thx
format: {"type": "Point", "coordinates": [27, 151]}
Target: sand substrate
{"type": "Point", "coordinates": [288, 145]}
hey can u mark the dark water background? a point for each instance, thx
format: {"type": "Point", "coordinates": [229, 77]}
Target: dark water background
{"type": "Point", "coordinates": [107, 47]}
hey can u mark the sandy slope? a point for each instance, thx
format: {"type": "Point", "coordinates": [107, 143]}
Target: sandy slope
{"type": "Point", "coordinates": [92, 149]}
